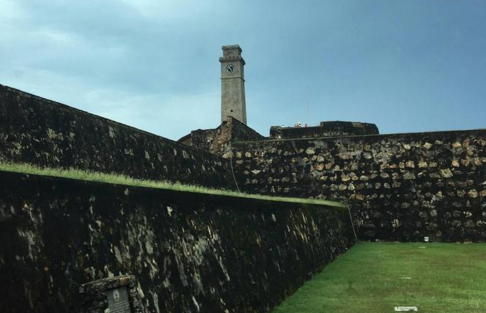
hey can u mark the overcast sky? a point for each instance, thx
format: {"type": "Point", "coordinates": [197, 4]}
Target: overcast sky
{"type": "Point", "coordinates": [406, 65]}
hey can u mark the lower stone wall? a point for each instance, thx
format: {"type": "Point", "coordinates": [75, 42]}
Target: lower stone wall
{"type": "Point", "coordinates": [401, 187]}
{"type": "Point", "coordinates": [190, 252]}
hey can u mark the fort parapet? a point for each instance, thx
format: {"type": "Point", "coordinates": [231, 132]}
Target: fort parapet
{"type": "Point", "coordinates": [45, 133]}
{"type": "Point", "coordinates": [325, 129]}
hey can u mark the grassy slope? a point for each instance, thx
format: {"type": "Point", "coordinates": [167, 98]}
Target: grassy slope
{"type": "Point", "coordinates": [373, 277]}
{"type": "Point", "coordinates": [125, 180]}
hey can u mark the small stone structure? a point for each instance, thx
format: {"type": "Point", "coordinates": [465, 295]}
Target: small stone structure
{"type": "Point", "coordinates": [112, 295]}
{"type": "Point", "coordinates": [218, 140]}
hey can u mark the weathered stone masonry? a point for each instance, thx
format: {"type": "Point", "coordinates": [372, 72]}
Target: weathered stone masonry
{"type": "Point", "coordinates": [190, 252]}
{"type": "Point", "coordinates": [401, 187]}
{"type": "Point", "coordinates": [49, 134]}
{"type": "Point", "coordinates": [218, 140]}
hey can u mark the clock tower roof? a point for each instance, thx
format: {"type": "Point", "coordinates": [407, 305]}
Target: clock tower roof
{"type": "Point", "coordinates": [231, 53]}
{"type": "Point", "coordinates": [231, 47]}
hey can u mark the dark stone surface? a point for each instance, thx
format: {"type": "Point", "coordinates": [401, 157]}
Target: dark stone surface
{"type": "Point", "coordinates": [401, 187]}
{"type": "Point", "coordinates": [190, 252]}
{"type": "Point", "coordinates": [48, 134]}
{"type": "Point", "coordinates": [325, 129]}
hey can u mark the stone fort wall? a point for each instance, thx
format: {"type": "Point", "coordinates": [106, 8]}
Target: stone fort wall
{"type": "Point", "coordinates": [400, 187]}
{"type": "Point", "coordinates": [49, 134]}
{"type": "Point", "coordinates": [197, 252]}
{"type": "Point", "coordinates": [189, 252]}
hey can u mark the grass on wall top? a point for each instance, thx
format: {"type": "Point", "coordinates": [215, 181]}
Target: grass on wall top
{"type": "Point", "coordinates": [129, 181]}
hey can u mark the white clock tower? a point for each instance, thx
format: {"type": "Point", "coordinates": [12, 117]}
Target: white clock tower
{"type": "Point", "coordinates": [233, 101]}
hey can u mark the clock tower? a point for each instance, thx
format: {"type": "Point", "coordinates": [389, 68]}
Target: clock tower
{"type": "Point", "coordinates": [233, 101]}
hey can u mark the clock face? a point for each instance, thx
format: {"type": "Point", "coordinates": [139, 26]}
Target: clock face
{"type": "Point", "coordinates": [230, 68]}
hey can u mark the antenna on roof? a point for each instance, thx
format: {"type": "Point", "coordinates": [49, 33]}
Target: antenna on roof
{"type": "Point", "coordinates": [308, 109]}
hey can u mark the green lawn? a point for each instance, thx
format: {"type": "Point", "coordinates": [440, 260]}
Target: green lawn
{"type": "Point", "coordinates": [376, 277]}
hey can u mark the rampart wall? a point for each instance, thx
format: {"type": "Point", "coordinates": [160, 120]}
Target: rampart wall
{"type": "Point", "coordinates": [401, 187]}
{"type": "Point", "coordinates": [48, 134]}
{"type": "Point", "coordinates": [190, 252]}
